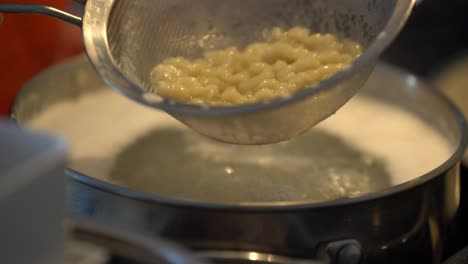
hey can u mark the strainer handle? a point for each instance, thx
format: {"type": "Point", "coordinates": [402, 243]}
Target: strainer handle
{"type": "Point", "coordinates": [41, 9]}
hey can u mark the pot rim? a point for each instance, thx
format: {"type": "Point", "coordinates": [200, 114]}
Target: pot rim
{"type": "Point", "coordinates": [132, 194]}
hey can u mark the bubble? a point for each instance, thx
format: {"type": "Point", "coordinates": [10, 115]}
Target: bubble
{"type": "Point", "coordinates": [229, 170]}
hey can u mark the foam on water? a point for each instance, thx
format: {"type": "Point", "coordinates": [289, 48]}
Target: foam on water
{"type": "Point", "coordinates": [367, 146]}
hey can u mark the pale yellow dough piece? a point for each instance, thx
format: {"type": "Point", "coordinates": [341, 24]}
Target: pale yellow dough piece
{"type": "Point", "coordinates": [286, 62]}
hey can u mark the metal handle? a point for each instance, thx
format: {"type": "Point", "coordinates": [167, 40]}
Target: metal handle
{"type": "Point", "coordinates": [41, 9]}
{"type": "Point", "coordinates": [339, 252]}
{"type": "Point", "coordinates": [253, 256]}
{"type": "Point", "coordinates": [129, 245]}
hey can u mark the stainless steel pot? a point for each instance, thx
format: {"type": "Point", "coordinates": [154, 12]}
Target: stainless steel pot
{"type": "Point", "coordinates": [405, 223]}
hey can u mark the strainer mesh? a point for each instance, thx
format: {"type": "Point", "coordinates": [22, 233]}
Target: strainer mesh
{"type": "Point", "coordinates": [142, 33]}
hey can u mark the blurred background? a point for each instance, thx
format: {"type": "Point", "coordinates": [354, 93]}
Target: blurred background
{"type": "Point", "coordinates": [437, 33]}
{"type": "Point", "coordinates": [31, 43]}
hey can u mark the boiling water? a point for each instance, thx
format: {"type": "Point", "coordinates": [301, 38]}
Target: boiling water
{"type": "Point", "coordinates": [367, 146]}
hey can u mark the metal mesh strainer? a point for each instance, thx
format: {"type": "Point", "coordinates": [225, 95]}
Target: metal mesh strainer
{"type": "Point", "coordinates": [125, 39]}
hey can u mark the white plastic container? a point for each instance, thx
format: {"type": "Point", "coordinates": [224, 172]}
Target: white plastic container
{"type": "Point", "coordinates": [32, 197]}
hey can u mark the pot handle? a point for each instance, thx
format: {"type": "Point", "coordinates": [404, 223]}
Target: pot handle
{"type": "Point", "coordinates": [130, 245]}
{"type": "Point", "coordinates": [346, 251]}
{"type": "Point", "coordinates": [44, 10]}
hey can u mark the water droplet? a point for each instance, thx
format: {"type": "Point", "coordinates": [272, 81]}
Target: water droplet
{"type": "Point", "coordinates": [229, 170]}
{"type": "Point", "coordinates": [152, 98]}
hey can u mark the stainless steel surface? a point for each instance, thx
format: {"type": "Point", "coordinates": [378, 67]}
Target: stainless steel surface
{"type": "Point", "coordinates": [403, 223]}
{"type": "Point", "coordinates": [40, 9]}
{"type": "Point", "coordinates": [124, 49]}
